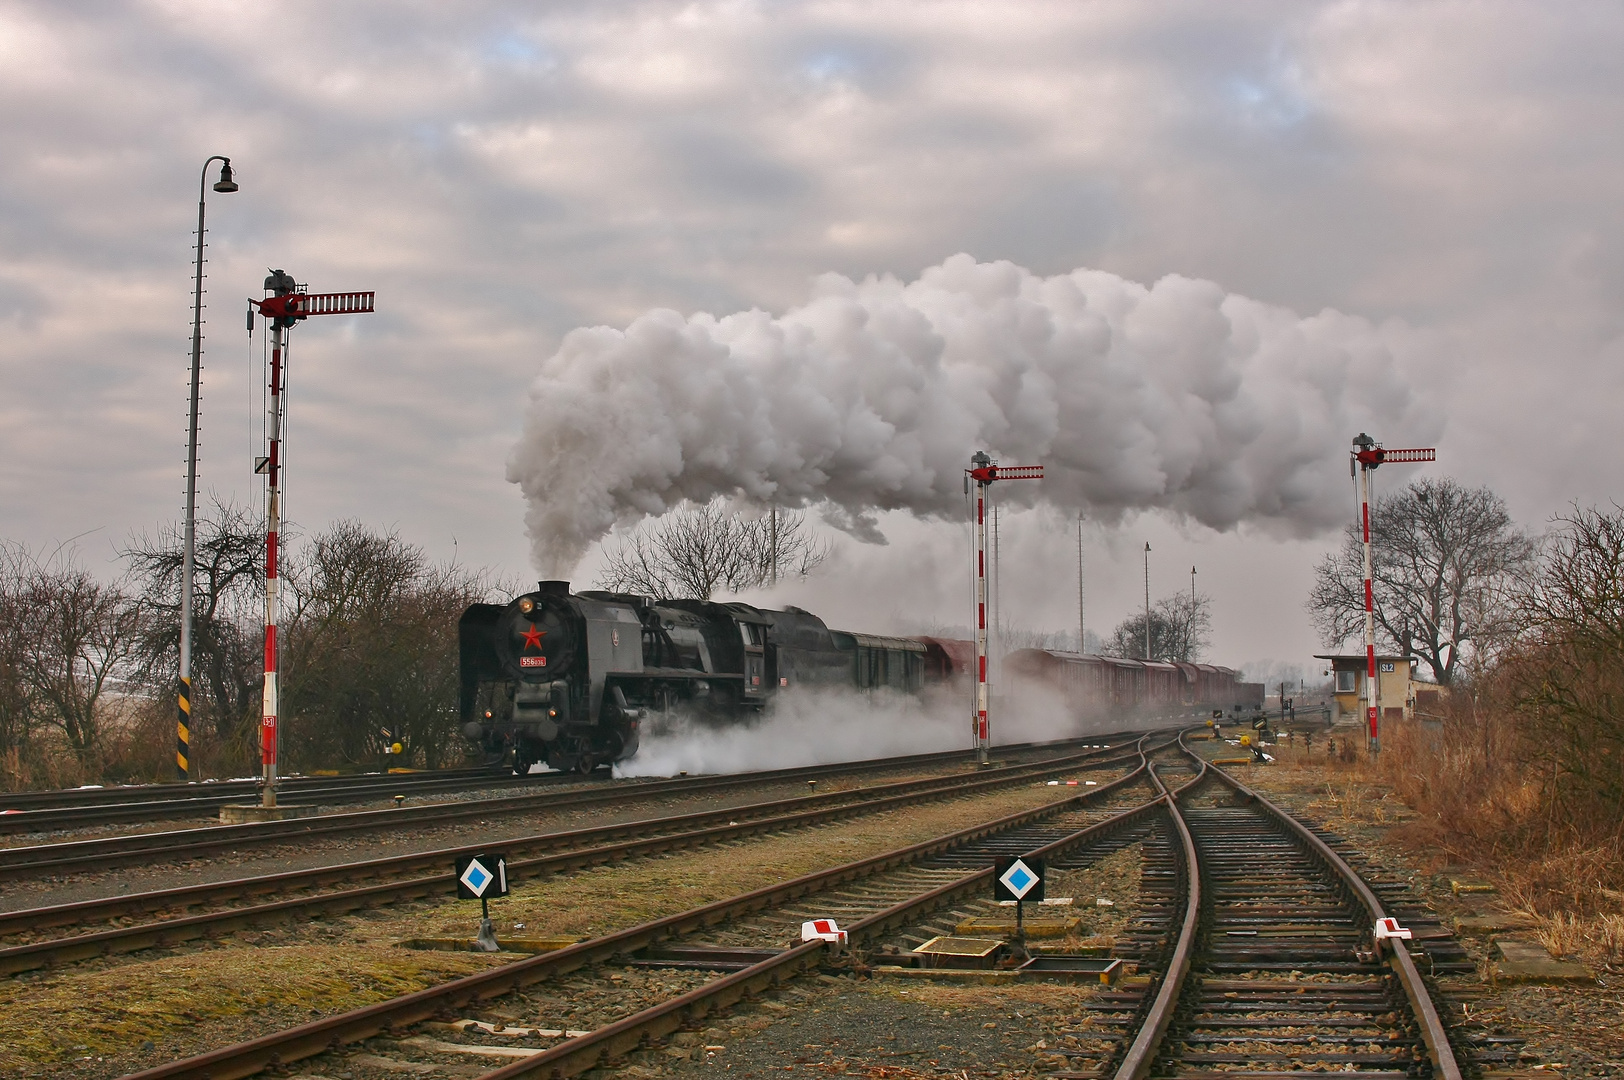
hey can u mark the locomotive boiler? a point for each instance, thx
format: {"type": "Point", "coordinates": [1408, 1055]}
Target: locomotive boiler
{"type": "Point", "coordinates": [570, 679]}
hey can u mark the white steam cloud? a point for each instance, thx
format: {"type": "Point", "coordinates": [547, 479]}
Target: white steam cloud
{"type": "Point", "coordinates": [827, 726]}
{"type": "Point", "coordinates": [872, 396]}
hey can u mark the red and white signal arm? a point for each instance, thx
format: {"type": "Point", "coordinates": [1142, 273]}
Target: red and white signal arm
{"type": "Point", "coordinates": [823, 930]}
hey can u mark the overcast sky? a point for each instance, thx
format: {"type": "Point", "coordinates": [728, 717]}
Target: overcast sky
{"type": "Point", "coordinates": [1445, 174]}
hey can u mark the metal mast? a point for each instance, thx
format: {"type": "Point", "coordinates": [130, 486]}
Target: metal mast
{"type": "Point", "coordinates": [1082, 611]}
{"type": "Point", "coordinates": [984, 472]}
{"type": "Point", "coordinates": [1147, 601]}
{"type": "Point", "coordinates": [1368, 454]}
{"type": "Point", "coordinates": [282, 309]}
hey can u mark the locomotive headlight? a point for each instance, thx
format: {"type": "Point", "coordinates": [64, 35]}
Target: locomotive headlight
{"type": "Point", "coordinates": [527, 605]}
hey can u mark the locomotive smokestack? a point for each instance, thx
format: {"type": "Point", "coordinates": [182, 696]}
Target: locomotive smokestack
{"type": "Point", "coordinates": [553, 588]}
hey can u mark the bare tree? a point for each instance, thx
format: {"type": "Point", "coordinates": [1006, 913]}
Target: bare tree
{"type": "Point", "coordinates": [228, 609]}
{"type": "Point", "coordinates": [699, 550]}
{"type": "Point", "coordinates": [18, 717]}
{"type": "Point", "coordinates": [1180, 629]}
{"type": "Point", "coordinates": [68, 636]}
{"type": "Point", "coordinates": [370, 654]}
{"type": "Point", "coordinates": [1444, 558]}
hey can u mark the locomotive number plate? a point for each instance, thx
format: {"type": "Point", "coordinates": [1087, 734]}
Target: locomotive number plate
{"type": "Point", "coordinates": [532, 661]}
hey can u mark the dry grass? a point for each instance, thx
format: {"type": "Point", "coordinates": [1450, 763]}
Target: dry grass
{"type": "Point", "coordinates": [606, 898]}
{"type": "Point", "coordinates": [1465, 796]}
{"type": "Point", "coordinates": [112, 1012]}
{"type": "Point", "coordinates": [222, 994]}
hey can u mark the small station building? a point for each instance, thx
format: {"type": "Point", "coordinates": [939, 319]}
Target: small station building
{"type": "Point", "coordinates": [1395, 686]}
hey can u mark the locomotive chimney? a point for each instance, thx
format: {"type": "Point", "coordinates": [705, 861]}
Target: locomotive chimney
{"type": "Point", "coordinates": [553, 588]}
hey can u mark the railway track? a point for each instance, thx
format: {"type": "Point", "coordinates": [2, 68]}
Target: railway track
{"type": "Point", "coordinates": [68, 857]}
{"type": "Point", "coordinates": [178, 801]}
{"type": "Point", "coordinates": [1253, 943]}
{"type": "Point", "coordinates": [78, 808]}
{"type": "Point", "coordinates": [333, 890]}
{"type": "Point", "coordinates": [887, 894]}
{"type": "Point", "coordinates": [1274, 969]}
{"type": "Point", "coordinates": [95, 795]}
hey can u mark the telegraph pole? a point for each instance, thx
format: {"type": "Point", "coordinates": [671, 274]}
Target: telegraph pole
{"type": "Point", "coordinates": [285, 307]}
{"type": "Point", "coordinates": [984, 473]}
{"type": "Point", "coordinates": [1147, 600]}
{"type": "Point", "coordinates": [1368, 455]}
{"type": "Point", "coordinates": [1082, 611]}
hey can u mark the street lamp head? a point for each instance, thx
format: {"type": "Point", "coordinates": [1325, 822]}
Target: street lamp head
{"type": "Point", "coordinates": [226, 183]}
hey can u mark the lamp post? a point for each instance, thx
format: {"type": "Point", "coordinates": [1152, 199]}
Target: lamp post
{"type": "Point", "coordinates": [183, 747]}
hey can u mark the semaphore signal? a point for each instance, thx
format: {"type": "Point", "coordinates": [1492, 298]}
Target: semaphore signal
{"type": "Point", "coordinates": [984, 472]}
{"type": "Point", "coordinates": [285, 307]}
{"type": "Point", "coordinates": [1367, 456]}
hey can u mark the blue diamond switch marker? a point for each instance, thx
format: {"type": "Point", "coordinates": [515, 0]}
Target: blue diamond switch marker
{"type": "Point", "coordinates": [476, 877]}
{"type": "Point", "coordinates": [1018, 879]}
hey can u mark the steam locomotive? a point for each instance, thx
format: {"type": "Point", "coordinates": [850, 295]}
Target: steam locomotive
{"type": "Point", "coordinates": [571, 679]}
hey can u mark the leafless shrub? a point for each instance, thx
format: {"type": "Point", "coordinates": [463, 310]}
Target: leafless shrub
{"type": "Point", "coordinates": [370, 653]}
{"type": "Point", "coordinates": [227, 616]}
{"type": "Point", "coordinates": [64, 639]}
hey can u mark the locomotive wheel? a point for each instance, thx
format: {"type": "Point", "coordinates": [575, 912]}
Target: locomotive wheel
{"type": "Point", "coordinates": [521, 767]}
{"type": "Point", "coordinates": [585, 764]}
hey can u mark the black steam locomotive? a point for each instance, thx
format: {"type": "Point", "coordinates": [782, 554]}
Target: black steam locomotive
{"type": "Point", "coordinates": [570, 679]}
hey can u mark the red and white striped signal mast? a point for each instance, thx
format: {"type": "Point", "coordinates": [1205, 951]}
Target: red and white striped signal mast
{"type": "Point", "coordinates": [285, 306]}
{"type": "Point", "coordinates": [984, 472]}
{"type": "Point", "coordinates": [1368, 454]}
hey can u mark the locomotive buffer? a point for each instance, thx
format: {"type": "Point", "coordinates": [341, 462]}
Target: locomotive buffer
{"type": "Point", "coordinates": [984, 473]}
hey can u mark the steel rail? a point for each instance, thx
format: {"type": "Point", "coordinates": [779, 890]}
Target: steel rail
{"type": "Point", "coordinates": [66, 798]}
{"type": "Point", "coordinates": [642, 1029]}
{"type": "Point", "coordinates": [63, 809]}
{"type": "Point", "coordinates": [1433, 1033]}
{"type": "Point", "coordinates": [84, 911]}
{"type": "Point", "coordinates": [60, 858]}
{"type": "Point", "coordinates": [1136, 1061]}
{"type": "Point", "coordinates": [18, 807]}
{"type": "Point", "coordinates": [167, 932]}
{"type": "Point", "coordinates": [59, 819]}
{"type": "Point", "coordinates": [307, 1040]}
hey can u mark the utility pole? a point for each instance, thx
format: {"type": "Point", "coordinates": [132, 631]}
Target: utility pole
{"type": "Point", "coordinates": [1082, 611]}
{"type": "Point", "coordinates": [772, 543]}
{"type": "Point", "coordinates": [984, 473]}
{"type": "Point", "coordinates": [1147, 600]}
{"type": "Point", "coordinates": [285, 307]}
{"type": "Point", "coordinates": [1367, 456]}
{"type": "Point", "coordinates": [183, 724]}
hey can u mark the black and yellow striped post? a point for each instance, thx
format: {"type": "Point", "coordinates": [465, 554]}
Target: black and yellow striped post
{"type": "Point", "coordinates": [183, 732]}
